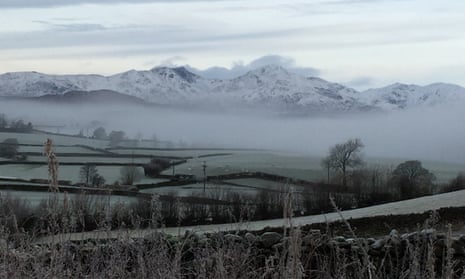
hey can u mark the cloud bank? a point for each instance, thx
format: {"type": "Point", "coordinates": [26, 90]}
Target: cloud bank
{"type": "Point", "coordinates": [239, 68]}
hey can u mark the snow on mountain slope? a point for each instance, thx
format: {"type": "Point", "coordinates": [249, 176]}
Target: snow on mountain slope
{"type": "Point", "coordinates": [402, 96]}
{"type": "Point", "coordinates": [269, 86]}
{"type": "Point", "coordinates": [160, 85]}
{"type": "Point", "coordinates": [274, 86]}
{"type": "Point", "coordinates": [33, 84]}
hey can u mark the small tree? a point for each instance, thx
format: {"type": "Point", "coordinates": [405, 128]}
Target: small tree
{"type": "Point", "coordinates": [9, 148]}
{"type": "Point", "coordinates": [326, 164]}
{"type": "Point", "coordinates": [130, 174]}
{"type": "Point", "coordinates": [97, 180]}
{"type": "Point", "coordinates": [99, 133]}
{"type": "Point", "coordinates": [455, 184]}
{"type": "Point", "coordinates": [156, 166]}
{"type": "Point", "coordinates": [89, 175]}
{"type": "Point", "coordinates": [115, 138]}
{"type": "Point", "coordinates": [344, 156]}
{"type": "Point", "coordinates": [3, 121]}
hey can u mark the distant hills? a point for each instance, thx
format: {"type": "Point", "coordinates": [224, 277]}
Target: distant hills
{"type": "Point", "coordinates": [270, 87]}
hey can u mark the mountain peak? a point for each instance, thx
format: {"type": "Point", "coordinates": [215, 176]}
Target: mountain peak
{"type": "Point", "coordinates": [181, 72]}
{"type": "Point", "coordinates": [269, 85]}
{"type": "Point", "coordinates": [271, 69]}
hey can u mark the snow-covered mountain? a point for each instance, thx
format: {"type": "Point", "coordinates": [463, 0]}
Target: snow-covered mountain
{"type": "Point", "coordinates": [269, 86]}
{"type": "Point", "coordinates": [403, 96]}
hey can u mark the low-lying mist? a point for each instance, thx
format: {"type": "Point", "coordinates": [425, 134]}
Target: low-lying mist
{"type": "Point", "coordinates": [429, 134]}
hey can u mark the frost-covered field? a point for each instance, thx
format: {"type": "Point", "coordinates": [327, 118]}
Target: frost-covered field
{"type": "Point", "coordinates": [35, 198]}
{"type": "Point", "coordinates": [212, 189]}
{"type": "Point", "coordinates": [40, 138]}
{"type": "Point", "coordinates": [264, 184]}
{"type": "Point", "coordinates": [295, 165]}
{"type": "Point", "coordinates": [99, 159]}
{"type": "Point", "coordinates": [219, 161]}
{"type": "Point", "coordinates": [266, 161]}
{"type": "Point", "coordinates": [70, 173]}
{"type": "Point", "coordinates": [175, 153]}
{"type": "Point", "coordinates": [58, 149]}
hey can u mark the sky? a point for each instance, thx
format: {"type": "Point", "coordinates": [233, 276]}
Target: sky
{"type": "Point", "coordinates": [360, 43]}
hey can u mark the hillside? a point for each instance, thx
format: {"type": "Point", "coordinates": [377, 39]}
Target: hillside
{"type": "Point", "coordinates": [270, 87]}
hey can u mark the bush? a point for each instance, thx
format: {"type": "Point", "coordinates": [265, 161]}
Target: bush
{"type": "Point", "coordinates": [9, 148]}
{"type": "Point", "coordinates": [455, 184]}
{"type": "Point", "coordinates": [156, 166]}
{"type": "Point", "coordinates": [130, 174]}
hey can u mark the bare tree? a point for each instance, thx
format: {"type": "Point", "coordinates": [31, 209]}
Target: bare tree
{"type": "Point", "coordinates": [130, 174]}
{"type": "Point", "coordinates": [326, 164]}
{"type": "Point", "coordinates": [89, 175]}
{"type": "Point", "coordinates": [87, 172]}
{"type": "Point", "coordinates": [343, 156]}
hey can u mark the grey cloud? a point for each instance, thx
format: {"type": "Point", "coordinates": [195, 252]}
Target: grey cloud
{"type": "Point", "coordinates": [345, 2]}
{"type": "Point", "coordinates": [72, 27]}
{"type": "Point", "coordinates": [171, 36]}
{"type": "Point", "coordinates": [360, 82]}
{"type": "Point", "coordinates": [60, 3]}
{"type": "Point", "coordinates": [239, 68]}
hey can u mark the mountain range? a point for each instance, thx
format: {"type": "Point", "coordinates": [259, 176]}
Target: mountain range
{"type": "Point", "coordinates": [266, 87]}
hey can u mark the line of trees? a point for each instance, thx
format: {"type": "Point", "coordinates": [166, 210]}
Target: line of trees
{"type": "Point", "coordinates": [17, 126]}
{"type": "Point", "coordinates": [407, 180]}
{"type": "Point", "coordinates": [89, 176]}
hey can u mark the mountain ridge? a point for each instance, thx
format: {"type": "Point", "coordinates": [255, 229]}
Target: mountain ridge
{"type": "Point", "coordinates": [270, 86]}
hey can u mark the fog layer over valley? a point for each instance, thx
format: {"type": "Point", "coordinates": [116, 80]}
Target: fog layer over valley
{"type": "Point", "coordinates": [434, 134]}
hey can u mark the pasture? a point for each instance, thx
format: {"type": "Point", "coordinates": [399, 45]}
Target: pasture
{"type": "Point", "coordinates": [74, 152]}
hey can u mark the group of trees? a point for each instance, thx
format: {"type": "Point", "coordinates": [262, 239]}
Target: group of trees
{"type": "Point", "coordinates": [18, 126]}
{"type": "Point", "coordinates": [115, 137]}
{"type": "Point", "coordinates": [409, 179]}
{"type": "Point", "coordinates": [90, 177]}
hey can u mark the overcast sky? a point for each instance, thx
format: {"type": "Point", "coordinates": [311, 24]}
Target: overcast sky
{"type": "Point", "coordinates": [362, 43]}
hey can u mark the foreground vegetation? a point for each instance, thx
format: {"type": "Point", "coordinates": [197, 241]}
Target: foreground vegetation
{"type": "Point", "coordinates": [290, 252]}
{"type": "Point", "coordinates": [318, 251]}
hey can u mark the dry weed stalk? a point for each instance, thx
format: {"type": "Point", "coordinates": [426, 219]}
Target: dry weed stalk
{"type": "Point", "coordinates": [290, 262]}
{"type": "Point", "coordinates": [367, 263]}
{"type": "Point", "coordinates": [52, 165]}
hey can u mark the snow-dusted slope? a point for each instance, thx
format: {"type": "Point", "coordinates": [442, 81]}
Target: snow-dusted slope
{"type": "Point", "coordinates": [160, 85]}
{"type": "Point", "coordinates": [269, 86]}
{"type": "Point", "coordinates": [274, 86]}
{"type": "Point", "coordinates": [401, 96]}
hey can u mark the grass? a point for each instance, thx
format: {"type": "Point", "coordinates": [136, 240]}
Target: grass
{"type": "Point", "coordinates": [298, 253]}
